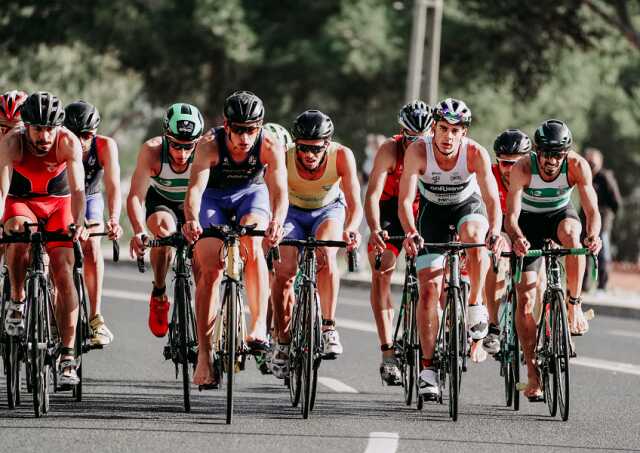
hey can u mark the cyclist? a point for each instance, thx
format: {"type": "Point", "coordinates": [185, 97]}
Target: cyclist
{"type": "Point", "coordinates": [160, 179]}
{"type": "Point", "coordinates": [510, 146]}
{"type": "Point", "coordinates": [41, 180]}
{"type": "Point", "coordinates": [238, 172]}
{"type": "Point", "coordinates": [381, 209]}
{"type": "Point", "coordinates": [10, 103]}
{"type": "Point", "coordinates": [100, 160]}
{"type": "Point", "coordinates": [539, 207]}
{"type": "Point", "coordinates": [324, 202]}
{"type": "Point", "coordinates": [450, 170]}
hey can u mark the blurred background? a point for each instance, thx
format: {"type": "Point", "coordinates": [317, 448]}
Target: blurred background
{"type": "Point", "coordinates": [514, 63]}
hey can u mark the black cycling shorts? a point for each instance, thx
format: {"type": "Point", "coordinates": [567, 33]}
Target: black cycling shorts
{"type": "Point", "coordinates": [538, 226]}
{"type": "Point", "coordinates": [154, 202]}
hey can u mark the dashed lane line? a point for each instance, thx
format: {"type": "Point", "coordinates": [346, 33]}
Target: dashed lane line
{"type": "Point", "coordinates": [618, 367]}
{"type": "Point", "coordinates": [336, 385]}
{"type": "Point", "coordinates": [381, 442]}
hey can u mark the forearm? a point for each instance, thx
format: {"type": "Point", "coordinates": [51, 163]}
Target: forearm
{"type": "Point", "coordinates": [495, 217]}
{"type": "Point", "coordinates": [594, 222]}
{"type": "Point", "coordinates": [192, 203]}
{"type": "Point", "coordinates": [354, 217]}
{"type": "Point", "coordinates": [405, 214]}
{"type": "Point", "coordinates": [78, 206]}
{"type": "Point", "coordinates": [135, 211]}
{"type": "Point", "coordinates": [372, 213]}
{"type": "Point", "coordinates": [279, 201]}
{"type": "Point", "coordinates": [114, 200]}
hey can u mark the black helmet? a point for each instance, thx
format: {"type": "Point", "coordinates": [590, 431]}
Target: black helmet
{"type": "Point", "coordinates": [552, 135]}
{"type": "Point", "coordinates": [512, 141]}
{"type": "Point", "coordinates": [42, 109]}
{"type": "Point", "coordinates": [416, 117]}
{"type": "Point", "coordinates": [243, 107]}
{"type": "Point", "coordinates": [312, 125]}
{"type": "Point", "coordinates": [80, 116]}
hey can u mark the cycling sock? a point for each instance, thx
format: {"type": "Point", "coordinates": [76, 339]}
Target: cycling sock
{"type": "Point", "coordinates": [158, 292]}
{"type": "Point", "coordinates": [494, 329]}
{"type": "Point", "coordinates": [386, 347]}
{"type": "Point", "coordinates": [329, 323]}
{"type": "Point", "coordinates": [64, 351]}
{"type": "Point", "coordinates": [427, 363]}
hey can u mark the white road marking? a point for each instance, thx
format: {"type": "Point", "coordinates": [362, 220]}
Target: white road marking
{"type": "Point", "coordinates": [356, 325]}
{"type": "Point", "coordinates": [336, 385]}
{"type": "Point", "coordinates": [126, 295]}
{"type": "Point", "coordinates": [618, 367]}
{"type": "Point", "coordinates": [625, 333]}
{"type": "Point", "coordinates": [380, 442]}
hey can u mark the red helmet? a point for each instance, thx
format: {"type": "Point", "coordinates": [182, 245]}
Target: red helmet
{"type": "Point", "coordinates": [10, 103]}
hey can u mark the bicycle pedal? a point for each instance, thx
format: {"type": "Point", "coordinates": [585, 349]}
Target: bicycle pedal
{"type": "Point", "coordinates": [166, 352]}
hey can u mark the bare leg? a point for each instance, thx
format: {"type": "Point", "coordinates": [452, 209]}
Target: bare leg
{"type": "Point", "coordinates": [380, 298]}
{"type": "Point", "coordinates": [282, 292]}
{"type": "Point", "coordinates": [94, 270]}
{"type": "Point", "coordinates": [430, 281]}
{"type": "Point", "coordinates": [526, 328]}
{"type": "Point", "coordinates": [328, 274]}
{"type": "Point", "coordinates": [569, 234]}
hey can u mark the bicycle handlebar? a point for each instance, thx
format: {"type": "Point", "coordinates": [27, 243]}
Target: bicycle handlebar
{"type": "Point", "coordinates": [537, 253]}
{"type": "Point", "coordinates": [352, 255]}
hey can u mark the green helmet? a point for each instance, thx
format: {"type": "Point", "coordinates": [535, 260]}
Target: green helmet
{"type": "Point", "coordinates": [183, 122]}
{"type": "Point", "coordinates": [281, 133]}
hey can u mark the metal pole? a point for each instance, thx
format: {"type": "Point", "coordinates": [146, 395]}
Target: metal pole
{"type": "Point", "coordinates": [416, 51]}
{"type": "Point", "coordinates": [434, 24]}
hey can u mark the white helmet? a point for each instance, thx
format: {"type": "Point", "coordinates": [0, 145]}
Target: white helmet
{"type": "Point", "coordinates": [416, 117]}
{"type": "Point", "coordinates": [452, 111]}
{"type": "Point", "coordinates": [281, 133]}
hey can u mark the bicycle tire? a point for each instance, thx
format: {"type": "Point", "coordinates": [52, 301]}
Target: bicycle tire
{"type": "Point", "coordinates": [231, 333]}
{"type": "Point", "coordinates": [407, 351]}
{"type": "Point", "coordinates": [515, 353]}
{"type": "Point", "coordinates": [464, 331]}
{"type": "Point", "coordinates": [546, 353]}
{"type": "Point", "coordinates": [295, 378]}
{"type": "Point", "coordinates": [36, 354]}
{"type": "Point", "coordinates": [317, 358]}
{"type": "Point", "coordinates": [415, 352]}
{"type": "Point", "coordinates": [12, 369]}
{"type": "Point", "coordinates": [561, 356]}
{"type": "Point", "coordinates": [441, 354]}
{"type": "Point", "coordinates": [308, 350]}
{"type": "Point", "coordinates": [180, 298]}
{"type": "Point", "coordinates": [453, 352]}
{"type": "Point", "coordinates": [82, 334]}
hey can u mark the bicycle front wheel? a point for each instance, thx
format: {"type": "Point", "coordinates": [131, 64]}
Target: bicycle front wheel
{"type": "Point", "coordinates": [82, 335]}
{"type": "Point", "coordinates": [181, 299]}
{"type": "Point", "coordinates": [407, 366]}
{"type": "Point", "coordinates": [307, 362]}
{"type": "Point", "coordinates": [454, 351]}
{"type": "Point", "coordinates": [12, 369]}
{"type": "Point", "coordinates": [514, 347]}
{"type": "Point", "coordinates": [561, 356]}
{"type": "Point", "coordinates": [231, 334]}
{"type": "Point", "coordinates": [36, 348]}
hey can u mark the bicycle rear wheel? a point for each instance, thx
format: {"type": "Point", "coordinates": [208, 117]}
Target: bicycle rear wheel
{"type": "Point", "coordinates": [231, 332]}
{"type": "Point", "coordinates": [12, 370]}
{"type": "Point", "coordinates": [506, 370]}
{"type": "Point", "coordinates": [307, 359]}
{"type": "Point", "coordinates": [561, 356]}
{"type": "Point", "coordinates": [181, 299]}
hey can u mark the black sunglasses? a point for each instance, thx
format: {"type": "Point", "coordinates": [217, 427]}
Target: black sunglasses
{"type": "Point", "coordinates": [314, 149]}
{"type": "Point", "coordinates": [550, 154]}
{"type": "Point", "coordinates": [86, 135]}
{"type": "Point", "coordinates": [239, 130]}
{"type": "Point", "coordinates": [185, 146]}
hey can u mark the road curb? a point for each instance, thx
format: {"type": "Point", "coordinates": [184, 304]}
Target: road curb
{"type": "Point", "coordinates": [600, 308]}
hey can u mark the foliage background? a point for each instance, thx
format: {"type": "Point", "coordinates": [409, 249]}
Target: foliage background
{"type": "Point", "coordinates": [514, 63]}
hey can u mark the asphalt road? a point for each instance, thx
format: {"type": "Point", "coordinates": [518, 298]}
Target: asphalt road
{"type": "Point", "coordinates": [132, 401]}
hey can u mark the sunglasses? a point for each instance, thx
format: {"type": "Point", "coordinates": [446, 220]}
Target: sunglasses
{"type": "Point", "coordinates": [314, 149]}
{"type": "Point", "coordinates": [412, 138]}
{"type": "Point", "coordinates": [239, 130]}
{"type": "Point", "coordinates": [506, 162]}
{"type": "Point", "coordinates": [180, 146]}
{"type": "Point", "coordinates": [554, 154]}
{"type": "Point", "coordinates": [87, 135]}
{"type": "Point", "coordinates": [5, 129]}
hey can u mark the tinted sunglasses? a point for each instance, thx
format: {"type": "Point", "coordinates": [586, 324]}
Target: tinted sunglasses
{"type": "Point", "coordinates": [314, 149]}
{"type": "Point", "coordinates": [412, 138]}
{"type": "Point", "coordinates": [86, 135]}
{"type": "Point", "coordinates": [5, 129]}
{"type": "Point", "coordinates": [239, 130]}
{"type": "Point", "coordinates": [184, 146]}
{"type": "Point", "coordinates": [554, 154]}
{"type": "Point", "coordinates": [506, 162]}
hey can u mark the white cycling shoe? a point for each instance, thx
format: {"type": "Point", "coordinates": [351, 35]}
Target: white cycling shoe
{"type": "Point", "coordinates": [332, 345]}
{"type": "Point", "coordinates": [478, 321]}
{"type": "Point", "coordinates": [428, 384]}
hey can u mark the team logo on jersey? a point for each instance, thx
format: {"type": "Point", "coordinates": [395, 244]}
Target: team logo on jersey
{"type": "Point", "coordinates": [51, 166]}
{"type": "Point", "coordinates": [435, 179]}
{"type": "Point", "coordinates": [456, 177]}
{"type": "Point", "coordinates": [91, 160]}
{"type": "Point", "coordinates": [252, 160]}
{"type": "Point", "coordinates": [185, 126]}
